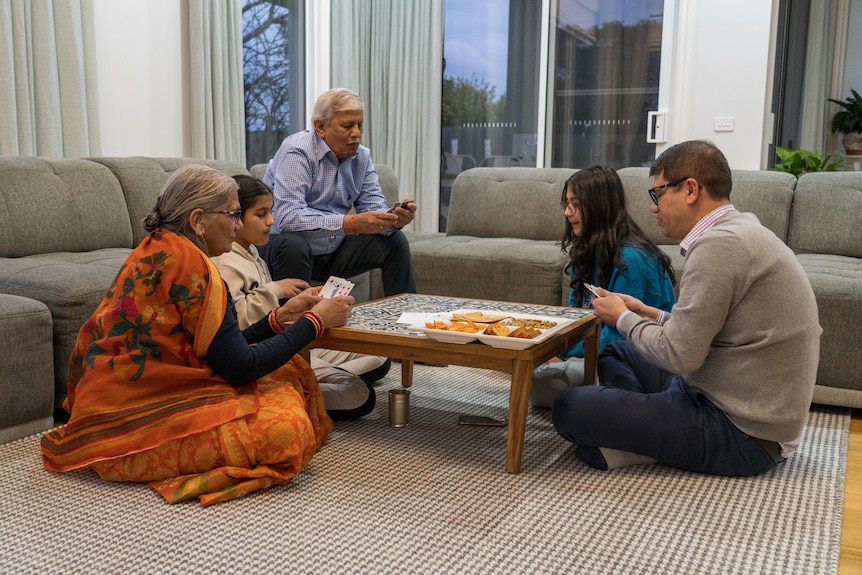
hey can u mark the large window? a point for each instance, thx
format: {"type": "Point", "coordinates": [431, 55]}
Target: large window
{"type": "Point", "coordinates": [606, 59]}
{"type": "Point", "coordinates": [490, 87]}
{"type": "Point", "coordinates": [273, 67]}
{"type": "Point", "coordinates": [603, 78]}
{"type": "Point", "coordinates": [817, 57]}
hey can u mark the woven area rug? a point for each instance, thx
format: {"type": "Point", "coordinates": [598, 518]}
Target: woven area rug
{"type": "Point", "coordinates": [434, 498]}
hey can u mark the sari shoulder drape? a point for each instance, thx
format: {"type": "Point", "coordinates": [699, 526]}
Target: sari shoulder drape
{"type": "Point", "coordinates": [139, 375]}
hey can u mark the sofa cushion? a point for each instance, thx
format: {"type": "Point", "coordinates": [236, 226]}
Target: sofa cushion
{"type": "Point", "coordinates": [26, 367]}
{"type": "Point", "coordinates": [827, 214]}
{"type": "Point", "coordinates": [142, 178]}
{"type": "Point", "coordinates": [769, 195]}
{"type": "Point", "coordinates": [636, 182]}
{"type": "Point", "coordinates": [837, 285]}
{"type": "Point", "coordinates": [508, 203]}
{"type": "Point", "coordinates": [80, 203]}
{"type": "Point", "coordinates": [71, 285]}
{"type": "Point", "coordinates": [502, 269]}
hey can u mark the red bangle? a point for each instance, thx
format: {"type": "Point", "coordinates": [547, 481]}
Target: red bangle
{"type": "Point", "coordinates": [316, 320]}
{"type": "Point", "coordinates": [274, 324]}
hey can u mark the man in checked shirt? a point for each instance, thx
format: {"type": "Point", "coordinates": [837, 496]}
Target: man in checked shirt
{"type": "Point", "coordinates": [317, 177]}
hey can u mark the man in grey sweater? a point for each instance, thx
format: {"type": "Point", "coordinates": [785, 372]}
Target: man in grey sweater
{"type": "Point", "coordinates": [722, 384]}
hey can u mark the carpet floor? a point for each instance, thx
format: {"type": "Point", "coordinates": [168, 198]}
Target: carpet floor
{"type": "Point", "coordinates": [434, 497]}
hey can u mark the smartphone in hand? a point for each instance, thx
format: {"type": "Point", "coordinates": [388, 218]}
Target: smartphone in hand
{"type": "Point", "coordinates": [401, 205]}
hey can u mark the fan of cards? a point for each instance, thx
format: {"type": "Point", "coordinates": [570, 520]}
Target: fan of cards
{"type": "Point", "coordinates": [592, 289]}
{"type": "Point", "coordinates": [335, 287]}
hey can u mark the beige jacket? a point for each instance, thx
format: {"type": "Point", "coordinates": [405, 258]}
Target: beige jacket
{"type": "Point", "coordinates": [250, 283]}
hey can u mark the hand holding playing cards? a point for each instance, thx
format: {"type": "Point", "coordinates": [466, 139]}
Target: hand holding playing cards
{"type": "Point", "coordinates": [608, 306]}
{"type": "Point", "coordinates": [633, 303]}
{"type": "Point", "coordinates": [299, 303]}
{"type": "Point", "coordinates": [334, 311]}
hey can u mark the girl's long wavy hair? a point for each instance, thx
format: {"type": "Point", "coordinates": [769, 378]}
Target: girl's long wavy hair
{"type": "Point", "coordinates": [606, 227]}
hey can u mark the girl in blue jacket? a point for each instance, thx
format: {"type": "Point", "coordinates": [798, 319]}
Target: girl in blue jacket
{"type": "Point", "coordinates": [607, 249]}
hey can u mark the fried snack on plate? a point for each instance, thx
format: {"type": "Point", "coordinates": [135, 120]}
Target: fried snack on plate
{"type": "Point", "coordinates": [478, 317]}
{"type": "Point", "coordinates": [468, 327]}
{"type": "Point", "coordinates": [497, 329]}
{"type": "Point", "coordinates": [530, 322]}
{"type": "Point", "coordinates": [525, 333]}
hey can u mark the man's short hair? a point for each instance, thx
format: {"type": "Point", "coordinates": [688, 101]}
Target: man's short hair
{"type": "Point", "coordinates": [698, 159]}
{"type": "Point", "coordinates": [336, 100]}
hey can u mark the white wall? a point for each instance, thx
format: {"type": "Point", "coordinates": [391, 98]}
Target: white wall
{"type": "Point", "coordinates": [719, 67]}
{"type": "Point", "coordinates": [142, 87]}
{"type": "Point", "coordinates": [723, 70]}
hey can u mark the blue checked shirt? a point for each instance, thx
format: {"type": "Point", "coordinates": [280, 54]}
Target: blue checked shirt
{"type": "Point", "coordinates": [313, 191]}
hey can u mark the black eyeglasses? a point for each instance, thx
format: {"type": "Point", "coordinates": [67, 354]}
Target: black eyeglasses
{"type": "Point", "coordinates": [571, 204]}
{"type": "Point", "coordinates": [236, 214]}
{"type": "Point", "coordinates": [652, 191]}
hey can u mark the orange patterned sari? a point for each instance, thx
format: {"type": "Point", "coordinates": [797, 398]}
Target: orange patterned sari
{"type": "Point", "coordinates": [146, 406]}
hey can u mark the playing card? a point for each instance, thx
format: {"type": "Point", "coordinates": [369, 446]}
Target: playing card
{"type": "Point", "coordinates": [335, 287]}
{"type": "Point", "coordinates": [345, 288]}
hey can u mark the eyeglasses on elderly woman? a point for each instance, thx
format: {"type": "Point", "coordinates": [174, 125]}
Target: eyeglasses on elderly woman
{"type": "Point", "coordinates": [236, 214]}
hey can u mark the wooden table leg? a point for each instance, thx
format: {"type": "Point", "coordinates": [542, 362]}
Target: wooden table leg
{"type": "Point", "coordinates": [591, 354]}
{"type": "Point", "coordinates": [406, 372]}
{"type": "Point", "coordinates": [519, 402]}
{"type": "Point", "coordinates": [305, 353]}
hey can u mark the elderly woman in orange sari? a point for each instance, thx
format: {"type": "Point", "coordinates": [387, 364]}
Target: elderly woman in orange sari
{"type": "Point", "coordinates": [166, 389]}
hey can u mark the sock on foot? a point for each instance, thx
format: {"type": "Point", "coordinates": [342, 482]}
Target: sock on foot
{"type": "Point", "coordinates": [605, 458]}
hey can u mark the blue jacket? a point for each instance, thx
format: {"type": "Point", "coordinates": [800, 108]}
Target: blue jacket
{"type": "Point", "coordinates": [644, 279]}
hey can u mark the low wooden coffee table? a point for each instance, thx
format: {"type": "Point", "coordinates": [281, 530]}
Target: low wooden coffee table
{"type": "Point", "coordinates": [373, 329]}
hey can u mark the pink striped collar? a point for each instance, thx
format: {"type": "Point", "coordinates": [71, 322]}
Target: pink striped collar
{"type": "Point", "coordinates": [700, 227]}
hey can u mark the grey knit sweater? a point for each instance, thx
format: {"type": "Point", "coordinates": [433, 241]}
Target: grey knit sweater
{"type": "Point", "coordinates": [744, 331]}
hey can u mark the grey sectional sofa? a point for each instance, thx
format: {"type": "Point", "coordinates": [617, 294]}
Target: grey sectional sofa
{"type": "Point", "coordinates": [503, 223]}
{"type": "Point", "coordinates": [66, 225]}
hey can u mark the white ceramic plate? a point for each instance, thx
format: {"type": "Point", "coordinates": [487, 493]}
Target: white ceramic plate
{"type": "Point", "coordinates": [495, 340]}
{"type": "Point", "coordinates": [445, 335]}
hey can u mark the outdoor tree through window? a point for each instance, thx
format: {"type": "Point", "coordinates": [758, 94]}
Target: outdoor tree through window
{"type": "Point", "coordinates": [273, 54]}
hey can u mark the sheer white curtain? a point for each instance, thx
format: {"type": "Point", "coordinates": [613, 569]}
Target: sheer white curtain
{"type": "Point", "coordinates": [824, 72]}
{"type": "Point", "coordinates": [48, 95]}
{"type": "Point", "coordinates": [217, 108]}
{"type": "Point", "coordinates": [390, 52]}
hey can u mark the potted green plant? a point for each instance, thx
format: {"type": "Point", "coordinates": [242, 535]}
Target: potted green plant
{"type": "Point", "coordinates": [848, 121]}
{"type": "Point", "coordinates": [798, 162]}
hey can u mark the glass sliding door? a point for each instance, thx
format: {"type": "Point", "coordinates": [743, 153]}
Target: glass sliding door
{"type": "Point", "coordinates": [605, 57]}
{"type": "Point", "coordinates": [490, 87]}
{"type": "Point", "coordinates": [603, 63]}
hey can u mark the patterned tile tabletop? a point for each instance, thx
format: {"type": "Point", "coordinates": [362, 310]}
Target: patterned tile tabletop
{"type": "Point", "coordinates": [382, 315]}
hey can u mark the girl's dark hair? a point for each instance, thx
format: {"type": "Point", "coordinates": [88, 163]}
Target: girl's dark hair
{"type": "Point", "coordinates": [250, 189]}
{"type": "Point", "coordinates": [606, 227]}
